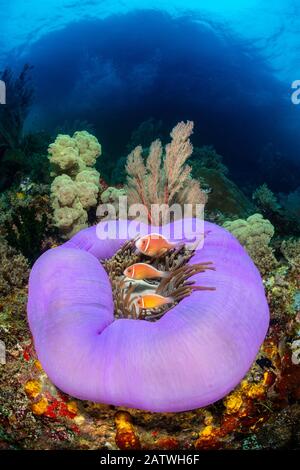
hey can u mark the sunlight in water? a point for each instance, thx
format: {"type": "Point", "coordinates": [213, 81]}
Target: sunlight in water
{"type": "Point", "coordinates": [273, 27]}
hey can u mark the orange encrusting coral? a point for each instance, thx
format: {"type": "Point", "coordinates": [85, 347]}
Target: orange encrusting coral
{"type": "Point", "coordinates": [32, 388]}
{"type": "Point", "coordinates": [126, 437]}
{"type": "Point", "coordinates": [40, 407]}
{"type": "Point", "coordinates": [47, 401]}
{"type": "Point", "coordinates": [239, 413]}
{"type": "Point", "coordinates": [166, 443]}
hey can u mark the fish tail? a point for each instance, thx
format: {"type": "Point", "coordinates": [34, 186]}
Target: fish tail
{"type": "Point", "coordinates": [164, 274]}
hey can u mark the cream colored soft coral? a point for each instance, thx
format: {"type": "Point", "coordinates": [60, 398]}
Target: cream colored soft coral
{"type": "Point", "coordinates": [87, 184]}
{"type": "Point", "coordinates": [111, 195]}
{"type": "Point", "coordinates": [88, 146]}
{"type": "Point", "coordinates": [67, 218]}
{"type": "Point", "coordinates": [255, 234]}
{"type": "Point", "coordinates": [254, 230]}
{"type": "Point", "coordinates": [75, 188]}
{"type": "Point", "coordinates": [89, 175]}
{"type": "Point", "coordinates": [113, 198]}
{"type": "Point", "coordinates": [64, 190]}
{"type": "Point", "coordinates": [87, 194]}
{"type": "Point", "coordinates": [64, 154]}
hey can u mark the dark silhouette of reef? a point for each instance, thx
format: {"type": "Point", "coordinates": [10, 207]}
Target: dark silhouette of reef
{"type": "Point", "coordinates": [19, 152]}
{"type": "Point", "coordinates": [100, 71]}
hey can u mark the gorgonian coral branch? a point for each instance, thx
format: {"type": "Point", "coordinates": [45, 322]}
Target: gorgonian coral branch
{"type": "Point", "coordinates": [164, 178]}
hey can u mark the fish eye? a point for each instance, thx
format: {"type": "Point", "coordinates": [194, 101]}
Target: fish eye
{"type": "Point", "coordinates": [129, 270]}
{"type": "Point", "coordinates": [144, 243]}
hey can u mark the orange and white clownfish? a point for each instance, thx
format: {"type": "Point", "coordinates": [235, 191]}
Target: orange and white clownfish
{"type": "Point", "coordinates": [154, 244]}
{"type": "Point", "coordinates": [153, 301]}
{"type": "Point", "coordinates": [140, 271]}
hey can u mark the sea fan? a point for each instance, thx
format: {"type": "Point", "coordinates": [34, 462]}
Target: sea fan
{"type": "Point", "coordinates": [164, 178]}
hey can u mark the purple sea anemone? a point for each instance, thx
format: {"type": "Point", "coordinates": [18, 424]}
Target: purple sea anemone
{"type": "Point", "coordinates": [195, 354]}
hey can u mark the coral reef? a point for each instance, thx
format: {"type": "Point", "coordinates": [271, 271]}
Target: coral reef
{"type": "Point", "coordinates": [207, 157]}
{"type": "Point", "coordinates": [35, 415]}
{"type": "Point", "coordinates": [13, 115]}
{"type": "Point", "coordinates": [126, 437]}
{"type": "Point", "coordinates": [255, 234]}
{"type": "Point", "coordinates": [25, 218]}
{"type": "Point", "coordinates": [284, 219]}
{"type": "Point", "coordinates": [14, 274]}
{"type": "Point", "coordinates": [224, 195]}
{"type": "Point", "coordinates": [290, 248]}
{"type": "Point", "coordinates": [112, 197]}
{"type": "Point", "coordinates": [291, 202]}
{"type": "Point", "coordinates": [20, 154]}
{"type": "Point", "coordinates": [295, 347]}
{"type": "Point", "coordinates": [27, 232]}
{"type": "Point", "coordinates": [75, 187]}
{"type": "Point", "coordinates": [164, 178]}
{"type": "Point", "coordinates": [266, 199]}
{"type": "Point", "coordinates": [261, 413]}
{"type": "Point", "coordinates": [14, 269]}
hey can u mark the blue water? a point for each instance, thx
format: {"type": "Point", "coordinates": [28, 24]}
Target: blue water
{"type": "Point", "coordinates": [227, 65]}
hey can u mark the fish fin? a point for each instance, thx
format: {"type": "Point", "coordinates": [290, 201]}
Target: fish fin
{"type": "Point", "coordinates": [161, 252]}
{"type": "Point", "coordinates": [164, 274]}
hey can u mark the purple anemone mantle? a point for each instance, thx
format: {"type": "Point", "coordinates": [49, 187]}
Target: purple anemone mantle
{"type": "Point", "coordinates": [191, 357]}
